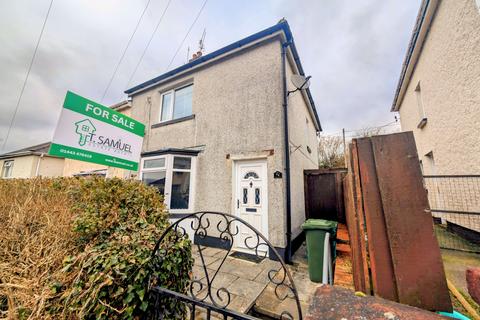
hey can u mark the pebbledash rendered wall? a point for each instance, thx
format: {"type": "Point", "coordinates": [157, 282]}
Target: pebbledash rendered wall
{"type": "Point", "coordinates": [303, 151]}
{"type": "Point", "coordinates": [449, 74]}
{"type": "Point", "coordinates": [237, 104]}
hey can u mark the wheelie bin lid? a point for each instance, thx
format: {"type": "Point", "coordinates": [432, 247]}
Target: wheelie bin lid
{"type": "Point", "coordinates": [319, 224]}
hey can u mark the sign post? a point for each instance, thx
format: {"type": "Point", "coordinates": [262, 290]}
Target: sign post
{"type": "Point", "coordinates": [89, 131]}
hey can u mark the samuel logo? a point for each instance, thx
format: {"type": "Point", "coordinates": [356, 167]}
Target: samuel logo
{"type": "Point", "coordinates": [85, 129]}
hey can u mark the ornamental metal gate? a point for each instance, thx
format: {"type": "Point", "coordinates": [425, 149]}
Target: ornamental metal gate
{"type": "Point", "coordinates": [202, 299]}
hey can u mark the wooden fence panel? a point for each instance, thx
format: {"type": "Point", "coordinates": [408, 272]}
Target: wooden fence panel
{"type": "Point", "coordinates": [324, 194]}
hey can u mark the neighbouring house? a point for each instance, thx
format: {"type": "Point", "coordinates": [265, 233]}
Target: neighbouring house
{"type": "Point", "coordinates": [438, 98]}
{"type": "Point", "coordinates": [34, 161]}
{"type": "Point", "coordinates": [438, 94]}
{"type": "Point", "coordinates": [220, 136]}
{"type": "Point", "coordinates": [30, 162]}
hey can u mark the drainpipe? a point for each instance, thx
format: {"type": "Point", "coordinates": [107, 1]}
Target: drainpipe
{"type": "Point", "coordinates": [37, 170]}
{"type": "Point", "coordinates": [288, 249]}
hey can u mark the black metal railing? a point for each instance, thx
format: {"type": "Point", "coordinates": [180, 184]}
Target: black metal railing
{"type": "Point", "coordinates": [455, 205]}
{"type": "Point", "coordinates": [203, 299]}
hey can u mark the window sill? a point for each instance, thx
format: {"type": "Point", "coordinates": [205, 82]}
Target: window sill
{"type": "Point", "coordinates": [422, 123]}
{"type": "Point", "coordinates": [166, 123]}
{"type": "Point", "coordinates": [178, 214]}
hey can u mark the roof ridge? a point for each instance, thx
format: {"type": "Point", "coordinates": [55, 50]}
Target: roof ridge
{"type": "Point", "coordinates": [281, 25]}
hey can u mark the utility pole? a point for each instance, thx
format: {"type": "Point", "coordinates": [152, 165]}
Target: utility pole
{"type": "Point", "coordinates": [344, 148]}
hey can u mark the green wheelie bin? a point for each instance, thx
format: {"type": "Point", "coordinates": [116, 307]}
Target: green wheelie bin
{"type": "Point", "coordinates": [321, 244]}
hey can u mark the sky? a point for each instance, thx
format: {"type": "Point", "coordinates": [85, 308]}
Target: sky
{"type": "Point", "coordinates": [352, 49]}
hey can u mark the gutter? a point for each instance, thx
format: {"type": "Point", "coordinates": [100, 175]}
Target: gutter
{"type": "Point", "coordinates": [288, 249]}
{"type": "Point", "coordinates": [418, 30]}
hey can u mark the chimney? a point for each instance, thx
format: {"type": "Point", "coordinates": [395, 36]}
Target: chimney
{"type": "Point", "coordinates": [195, 56]}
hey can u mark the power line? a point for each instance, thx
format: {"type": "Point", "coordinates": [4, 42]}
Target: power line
{"type": "Point", "coordinates": [186, 35]}
{"type": "Point", "coordinates": [148, 44]}
{"type": "Point", "coordinates": [26, 77]}
{"type": "Point", "coordinates": [124, 51]}
{"type": "Point", "coordinates": [374, 127]}
{"type": "Point", "coordinates": [338, 133]}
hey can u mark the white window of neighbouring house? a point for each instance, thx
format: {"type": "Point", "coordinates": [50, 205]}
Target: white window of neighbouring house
{"type": "Point", "coordinates": [7, 169]}
{"type": "Point", "coordinates": [172, 176]}
{"type": "Point", "coordinates": [431, 163]}
{"type": "Point", "coordinates": [420, 106]}
{"type": "Point", "coordinates": [176, 103]}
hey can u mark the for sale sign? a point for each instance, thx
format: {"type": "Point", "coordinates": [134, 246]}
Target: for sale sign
{"type": "Point", "coordinates": [89, 131]}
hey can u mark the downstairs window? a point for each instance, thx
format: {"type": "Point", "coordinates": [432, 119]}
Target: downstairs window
{"type": "Point", "coordinates": [172, 176]}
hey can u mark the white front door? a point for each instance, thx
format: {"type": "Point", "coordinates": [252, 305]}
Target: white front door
{"type": "Point", "coordinates": [251, 202]}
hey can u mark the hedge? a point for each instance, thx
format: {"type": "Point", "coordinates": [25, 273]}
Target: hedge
{"type": "Point", "coordinates": [86, 244]}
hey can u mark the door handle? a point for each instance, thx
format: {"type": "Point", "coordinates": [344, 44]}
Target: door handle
{"type": "Point", "coordinates": [238, 204]}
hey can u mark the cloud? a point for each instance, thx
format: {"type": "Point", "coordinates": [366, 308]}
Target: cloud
{"type": "Point", "coordinates": [352, 49]}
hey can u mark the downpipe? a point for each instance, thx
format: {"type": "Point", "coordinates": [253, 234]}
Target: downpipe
{"type": "Point", "coordinates": [288, 249]}
{"type": "Point", "coordinates": [37, 170]}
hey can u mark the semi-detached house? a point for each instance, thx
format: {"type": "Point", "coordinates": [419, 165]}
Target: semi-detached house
{"type": "Point", "coordinates": [222, 137]}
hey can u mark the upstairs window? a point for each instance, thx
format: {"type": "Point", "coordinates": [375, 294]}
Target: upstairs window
{"type": "Point", "coordinates": [176, 103]}
{"type": "Point", "coordinates": [7, 169]}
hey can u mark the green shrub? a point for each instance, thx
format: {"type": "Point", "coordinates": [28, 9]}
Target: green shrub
{"type": "Point", "coordinates": [81, 249]}
{"type": "Point", "coordinates": [118, 223]}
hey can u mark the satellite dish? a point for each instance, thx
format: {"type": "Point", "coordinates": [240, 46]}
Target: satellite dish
{"type": "Point", "coordinates": [300, 82]}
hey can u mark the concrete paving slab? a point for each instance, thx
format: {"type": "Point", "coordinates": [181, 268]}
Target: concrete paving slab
{"type": "Point", "coordinates": [207, 260]}
{"type": "Point", "coordinates": [262, 277]}
{"type": "Point", "coordinates": [240, 304]}
{"type": "Point", "coordinates": [240, 268]}
{"type": "Point", "coordinates": [222, 279]}
{"type": "Point", "coordinates": [219, 260]}
{"type": "Point", "coordinates": [197, 272]}
{"type": "Point", "coordinates": [246, 288]}
{"type": "Point", "coordinates": [212, 252]}
{"type": "Point", "coordinates": [304, 286]}
{"type": "Point", "coordinates": [270, 305]}
{"type": "Point", "coordinates": [244, 280]}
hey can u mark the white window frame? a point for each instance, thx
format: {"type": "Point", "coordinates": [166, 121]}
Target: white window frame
{"type": "Point", "coordinates": [4, 165]}
{"type": "Point", "coordinates": [168, 168]}
{"type": "Point", "coordinates": [431, 163]}
{"type": "Point", "coordinates": [420, 105]}
{"type": "Point", "coordinates": [172, 102]}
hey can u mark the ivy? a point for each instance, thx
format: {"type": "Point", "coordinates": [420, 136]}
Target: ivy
{"type": "Point", "coordinates": [117, 223]}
